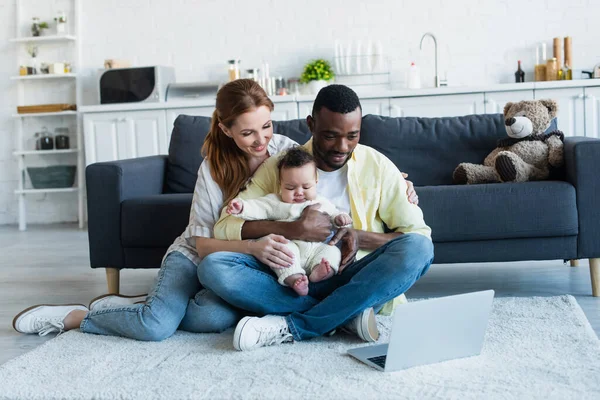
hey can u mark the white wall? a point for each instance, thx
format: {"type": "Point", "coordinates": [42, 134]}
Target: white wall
{"type": "Point", "coordinates": [479, 41]}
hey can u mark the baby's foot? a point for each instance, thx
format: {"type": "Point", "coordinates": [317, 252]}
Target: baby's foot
{"type": "Point", "coordinates": [299, 283]}
{"type": "Point", "coordinates": [321, 271]}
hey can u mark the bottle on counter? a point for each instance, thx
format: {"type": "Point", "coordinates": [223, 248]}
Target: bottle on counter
{"type": "Point", "coordinates": [520, 74]}
{"type": "Point", "coordinates": [413, 80]}
{"type": "Point", "coordinates": [552, 69]}
{"type": "Point", "coordinates": [568, 43]}
{"type": "Point", "coordinates": [539, 71]}
{"type": "Point", "coordinates": [234, 70]}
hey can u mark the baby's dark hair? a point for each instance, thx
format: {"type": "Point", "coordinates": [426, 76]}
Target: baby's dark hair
{"type": "Point", "coordinates": [295, 157]}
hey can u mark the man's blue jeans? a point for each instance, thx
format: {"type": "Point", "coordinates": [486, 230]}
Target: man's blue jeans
{"type": "Point", "coordinates": [384, 274]}
{"type": "Point", "coordinates": [176, 302]}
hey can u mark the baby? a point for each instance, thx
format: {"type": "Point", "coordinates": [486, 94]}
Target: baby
{"type": "Point", "coordinates": [298, 181]}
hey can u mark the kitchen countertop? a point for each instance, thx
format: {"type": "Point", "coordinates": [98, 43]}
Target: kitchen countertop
{"type": "Point", "coordinates": [448, 90]}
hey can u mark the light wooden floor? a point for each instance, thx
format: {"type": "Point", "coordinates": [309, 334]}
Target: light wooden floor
{"type": "Point", "coordinates": [50, 264]}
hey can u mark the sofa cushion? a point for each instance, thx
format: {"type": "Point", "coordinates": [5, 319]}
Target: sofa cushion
{"type": "Point", "coordinates": [499, 211]}
{"type": "Point", "coordinates": [154, 221]}
{"type": "Point", "coordinates": [184, 153]}
{"type": "Point", "coordinates": [296, 129]}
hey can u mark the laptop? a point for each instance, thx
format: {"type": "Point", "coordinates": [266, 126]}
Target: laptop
{"type": "Point", "coordinates": [431, 331]}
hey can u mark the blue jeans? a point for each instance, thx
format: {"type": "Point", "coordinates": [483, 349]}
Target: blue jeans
{"type": "Point", "coordinates": [177, 301]}
{"type": "Point", "coordinates": [384, 274]}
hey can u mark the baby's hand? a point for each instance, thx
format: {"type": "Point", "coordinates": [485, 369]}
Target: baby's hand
{"type": "Point", "coordinates": [235, 207]}
{"type": "Point", "coordinates": [342, 220]}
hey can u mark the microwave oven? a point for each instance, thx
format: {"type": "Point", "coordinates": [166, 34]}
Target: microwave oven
{"type": "Point", "coordinates": [134, 85]}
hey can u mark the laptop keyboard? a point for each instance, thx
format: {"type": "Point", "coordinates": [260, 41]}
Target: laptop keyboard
{"type": "Point", "coordinates": [379, 360]}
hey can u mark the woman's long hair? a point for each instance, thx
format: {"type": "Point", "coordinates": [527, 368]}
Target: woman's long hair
{"type": "Point", "coordinates": [228, 164]}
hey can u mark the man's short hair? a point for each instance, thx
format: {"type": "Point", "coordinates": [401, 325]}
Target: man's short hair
{"type": "Point", "coordinates": [295, 157]}
{"type": "Point", "coordinates": [336, 98]}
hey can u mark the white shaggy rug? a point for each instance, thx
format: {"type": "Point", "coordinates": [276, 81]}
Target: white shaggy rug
{"type": "Point", "coordinates": [535, 348]}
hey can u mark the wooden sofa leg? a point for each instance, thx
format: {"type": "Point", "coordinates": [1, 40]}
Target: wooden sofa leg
{"type": "Point", "coordinates": [113, 276]}
{"type": "Point", "coordinates": [574, 263]}
{"type": "Point", "coordinates": [595, 274]}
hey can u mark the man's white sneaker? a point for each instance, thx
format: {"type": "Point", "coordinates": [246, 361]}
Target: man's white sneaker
{"type": "Point", "coordinates": [253, 332]}
{"type": "Point", "coordinates": [115, 301]}
{"type": "Point", "coordinates": [364, 325]}
{"type": "Point", "coordinates": [44, 318]}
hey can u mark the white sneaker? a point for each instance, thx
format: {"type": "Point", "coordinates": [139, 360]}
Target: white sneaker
{"type": "Point", "coordinates": [364, 325]}
{"type": "Point", "coordinates": [253, 332]}
{"type": "Point", "coordinates": [115, 301]}
{"type": "Point", "coordinates": [44, 318]}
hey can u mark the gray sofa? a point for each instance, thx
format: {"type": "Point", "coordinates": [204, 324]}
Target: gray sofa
{"type": "Point", "coordinates": [137, 207]}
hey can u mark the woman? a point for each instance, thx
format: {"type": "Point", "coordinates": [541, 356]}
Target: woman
{"type": "Point", "coordinates": [240, 139]}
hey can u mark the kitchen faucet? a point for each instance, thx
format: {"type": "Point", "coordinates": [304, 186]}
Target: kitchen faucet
{"type": "Point", "coordinates": [438, 82]}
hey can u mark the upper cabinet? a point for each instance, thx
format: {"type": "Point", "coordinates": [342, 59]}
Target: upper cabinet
{"type": "Point", "coordinates": [495, 101]}
{"type": "Point", "coordinates": [571, 115]}
{"type": "Point", "coordinates": [438, 106]}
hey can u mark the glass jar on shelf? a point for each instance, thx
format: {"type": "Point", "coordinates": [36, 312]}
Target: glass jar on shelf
{"type": "Point", "coordinates": [68, 68]}
{"type": "Point", "coordinates": [35, 27]}
{"type": "Point", "coordinates": [61, 23]}
{"type": "Point", "coordinates": [46, 139]}
{"type": "Point", "coordinates": [61, 138]}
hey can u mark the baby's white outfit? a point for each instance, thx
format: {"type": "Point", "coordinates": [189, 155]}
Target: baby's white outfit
{"type": "Point", "coordinates": [306, 254]}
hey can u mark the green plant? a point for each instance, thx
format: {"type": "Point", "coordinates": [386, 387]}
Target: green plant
{"type": "Point", "coordinates": [44, 25]}
{"type": "Point", "coordinates": [61, 20]}
{"type": "Point", "coordinates": [317, 70]}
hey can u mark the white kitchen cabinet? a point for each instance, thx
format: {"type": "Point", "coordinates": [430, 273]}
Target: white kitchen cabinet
{"type": "Point", "coordinates": [173, 113]}
{"type": "Point", "coordinates": [285, 111]}
{"type": "Point", "coordinates": [592, 112]}
{"type": "Point", "coordinates": [369, 106]}
{"type": "Point", "coordinates": [121, 135]}
{"type": "Point", "coordinates": [571, 110]}
{"type": "Point", "coordinates": [438, 106]}
{"type": "Point", "coordinates": [495, 101]}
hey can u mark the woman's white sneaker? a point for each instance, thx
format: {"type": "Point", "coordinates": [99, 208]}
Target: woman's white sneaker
{"type": "Point", "coordinates": [44, 318]}
{"type": "Point", "coordinates": [364, 325]}
{"type": "Point", "coordinates": [107, 301]}
{"type": "Point", "coordinates": [254, 332]}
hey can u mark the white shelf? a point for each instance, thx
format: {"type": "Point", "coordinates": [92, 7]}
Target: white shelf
{"type": "Point", "coordinates": [44, 152]}
{"type": "Point", "coordinates": [49, 38]}
{"type": "Point", "coordinates": [46, 114]}
{"type": "Point", "coordinates": [42, 76]}
{"type": "Point", "coordinates": [35, 191]}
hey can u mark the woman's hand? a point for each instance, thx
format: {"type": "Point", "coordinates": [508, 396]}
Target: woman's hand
{"type": "Point", "coordinates": [235, 207]}
{"type": "Point", "coordinates": [271, 250]}
{"type": "Point", "coordinates": [410, 191]}
{"type": "Point", "coordinates": [313, 225]}
{"type": "Point", "coordinates": [349, 238]}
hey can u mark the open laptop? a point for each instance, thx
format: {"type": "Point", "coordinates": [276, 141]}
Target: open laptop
{"type": "Point", "coordinates": [431, 331]}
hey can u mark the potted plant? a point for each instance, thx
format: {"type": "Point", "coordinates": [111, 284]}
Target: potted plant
{"type": "Point", "coordinates": [61, 22]}
{"type": "Point", "coordinates": [316, 74]}
{"type": "Point", "coordinates": [37, 26]}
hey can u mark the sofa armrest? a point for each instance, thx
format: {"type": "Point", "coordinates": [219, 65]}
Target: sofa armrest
{"type": "Point", "coordinates": [581, 158]}
{"type": "Point", "coordinates": [108, 185]}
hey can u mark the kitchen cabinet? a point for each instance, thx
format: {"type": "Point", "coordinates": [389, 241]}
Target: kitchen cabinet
{"type": "Point", "coordinates": [121, 135]}
{"type": "Point", "coordinates": [592, 112]}
{"type": "Point", "coordinates": [438, 106]}
{"type": "Point", "coordinates": [571, 109]}
{"type": "Point", "coordinates": [495, 101]}
{"type": "Point", "coordinates": [173, 113]}
{"type": "Point", "coordinates": [285, 111]}
{"type": "Point", "coordinates": [369, 106]}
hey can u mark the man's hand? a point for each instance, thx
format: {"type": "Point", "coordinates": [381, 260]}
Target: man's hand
{"type": "Point", "coordinates": [235, 207]}
{"type": "Point", "coordinates": [342, 220]}
{"type": "Point", "coordinates": [410, 191]}
{"type": "Point", "coordinates": [313, 225]}
{"type": "Point", "coordinates": [349, 238]}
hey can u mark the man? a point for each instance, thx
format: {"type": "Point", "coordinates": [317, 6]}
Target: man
{"type": "Point", "coordinates": [356, 179]}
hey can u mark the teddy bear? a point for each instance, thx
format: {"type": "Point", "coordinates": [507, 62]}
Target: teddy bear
{"type": "Point", "coordinates": [528, 154]}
